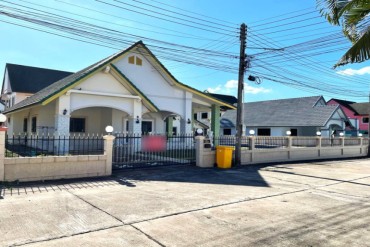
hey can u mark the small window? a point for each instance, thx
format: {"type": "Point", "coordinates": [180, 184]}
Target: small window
{"type": "Point", "coordinates": [135, 60]}
{"type": "Point", "coordinates": [25, 125]}
{"type": "Point", "coordinates": [293, 132]}
{"type": "Point", "coordinates": [77, 125]}
{"type": "Point", "coordinates": [174, 131]}
{"type": "Point", "coordinates": [131, 60]}
{"type": "Point", "coordinates": [139, 61]}
{"type": "Point", "coordinates": [365, 120]}
{"type": "Point", "coordinates": [195, 116]}
{"type": "Point", "coordinates": [264, 132]}
{"type": "Point", "coordinates": [33, 124]}
{"type": "Point", "coordinates": [227, 132]}
{"type": "Point", "coordinates": [204, 115]}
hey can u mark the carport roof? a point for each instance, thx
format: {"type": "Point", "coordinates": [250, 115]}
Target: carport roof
{"type": "Point", "coordinates": [297, 112]}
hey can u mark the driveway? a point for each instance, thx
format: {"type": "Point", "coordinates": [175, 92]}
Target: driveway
{"type": "Point", "coordinates": [304, 204]}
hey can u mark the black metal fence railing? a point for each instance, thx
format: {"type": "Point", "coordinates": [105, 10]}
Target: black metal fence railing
{"type": "Point", "coordinates": [136, 150]}
{"type": "Point", "coordinates": [327, 142]}
{"type": "Point", "coordinates": [33, 145]}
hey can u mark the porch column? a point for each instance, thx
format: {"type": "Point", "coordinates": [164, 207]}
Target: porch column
{"type": "Point", "coordinates": [215, 122]}
{"type": "Point", "coordinates": [169, 125]}
{"type": "Point", "coordinates": [62, 122]}
{"type": "Point", "coordinates": [185, 126]}
{"type": "Point", "coordinates": [134, 127]}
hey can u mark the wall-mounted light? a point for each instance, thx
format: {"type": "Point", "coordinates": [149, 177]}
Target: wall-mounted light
{"type": "Point", "coordinates": [189, 121]}
{"type": "Point", "coordinates": [137, 120]}
{"type": "Point", "coordinates": [64, 111]}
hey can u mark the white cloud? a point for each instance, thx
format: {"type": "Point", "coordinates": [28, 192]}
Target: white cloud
{"type": "Point", "coordinates": [214, 90]}
{"type": "Point", "coordinates": [255, 90]}
{"type": "Point", "coordinates": [351, 72]}
{"type": "Point", "coordinates": [231, 86]}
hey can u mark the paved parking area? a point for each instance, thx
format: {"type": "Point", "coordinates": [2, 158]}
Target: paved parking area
{"type": "Point", "coordinates": [306, 204]}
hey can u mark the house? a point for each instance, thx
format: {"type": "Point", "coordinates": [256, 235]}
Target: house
{"type": "Point", "coordinates": [203, 118]}
{"type": "Point", "coordinates": [362, 115]}
{"type": "Point", "coordinates": [130, 90]}
{"type": "Point", "coordinates": [21, 81]}
{"type": "Point", "coordinates": [301, 116]}
{"type": "Point", "coordinates": [351, 114]}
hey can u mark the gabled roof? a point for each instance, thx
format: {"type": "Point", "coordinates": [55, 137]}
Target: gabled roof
{"type": "Point", "coordinates": [294, 112]}
{"type": "Point", "coordinates": [56, 89]}
{"type": "Point", "coordinates": [361, 108]}
{"type": "Point", "coordinates": [225, 98]}
{"type": "Point", "coordinates": [345, 103]}
{"type": "Point", "coordinates": [27, 79]}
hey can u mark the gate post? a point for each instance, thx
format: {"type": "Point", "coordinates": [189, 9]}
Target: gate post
{"type": "Point", "coordinates": [108, 151]}
{"type": "Point", "coordinates": [2, 152]}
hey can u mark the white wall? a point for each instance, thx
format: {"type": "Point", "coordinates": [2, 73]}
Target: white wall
{"type": "Point", "coordinates": [154, 85]}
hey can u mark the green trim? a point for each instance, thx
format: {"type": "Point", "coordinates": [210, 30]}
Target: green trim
{"type": "Point", "coordinates": [135, 88]}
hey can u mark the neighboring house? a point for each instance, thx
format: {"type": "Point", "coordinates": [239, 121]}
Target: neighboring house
{"type": "Point", "coordinates": [203, 116]}
{"type": "Point", "coordinates": [2, 106]}
{"type": "Point", "coordinates": [130, 90]}
{"type": "Point", "coordinates": [351, 114]}
{"type": "Point", "coordinates": [22, 81]}
{"type": "Point", "coordinates": [362, 114]}
{"type": "Point", "coordinates": [301, 116]}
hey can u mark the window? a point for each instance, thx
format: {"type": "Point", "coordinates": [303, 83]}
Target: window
{"type": "Point", "coordinates": [294, 132]}
{"type": "Point", "coordinates": [174, 131]}
{"type": "Point", "coordinates": [77, 125]}
{"type": "Point", "coordinates": [25, 123]}
{"type": "Point", "coordinates": [135, 60]}
{"type": "Point", "coordinates": [204, 115]}
{"type": "Point", "coordinates": [227, 132]}
{"type": "Point", "coordinates": [365, 120]}
{"type": "Point", "coordinates": [33, 124]}
{"type": "Point", "coordinates": [146, 127]}
{"type": "Point", "coordinates": [264, 132]}
{"type": "Point", "coordinates": [195, 116]}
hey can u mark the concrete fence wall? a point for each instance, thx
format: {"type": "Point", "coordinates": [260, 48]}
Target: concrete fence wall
{"type": "Point", "coordinates": [206, 157]}
{"type": "Point", "coordinates": [55, 167]}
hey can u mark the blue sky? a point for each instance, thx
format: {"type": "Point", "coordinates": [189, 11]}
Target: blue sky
{"type": "Point", "coordinates": [272, 24]}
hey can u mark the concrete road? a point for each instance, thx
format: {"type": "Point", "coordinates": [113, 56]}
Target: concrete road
{"type": "Point", "coordinates": [306, 204]}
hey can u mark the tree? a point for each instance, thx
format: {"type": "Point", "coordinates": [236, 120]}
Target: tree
{"type": "Point", "coordinates": [352, 15]}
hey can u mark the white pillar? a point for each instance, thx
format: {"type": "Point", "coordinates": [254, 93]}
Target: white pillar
{"type": "Point", "coordinates": [62, 122]}
{"type": "Point", "coordinates": [2, 152]}
{"type": "Point", "coordinates": [108, 151]}
{"type": "Point", "coordinates": [185, 127]}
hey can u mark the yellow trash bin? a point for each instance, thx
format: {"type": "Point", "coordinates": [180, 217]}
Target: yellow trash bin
{"type": "Point", "coordinates": [224, 155]}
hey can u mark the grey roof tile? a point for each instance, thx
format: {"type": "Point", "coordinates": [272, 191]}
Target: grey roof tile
{"type": "Point", "coordinates": [279, 113]}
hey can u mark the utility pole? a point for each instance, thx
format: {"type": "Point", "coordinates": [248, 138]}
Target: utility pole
{"type": "Point", "coordinates": [239, 110]}
{"type": "Point", "coordinates": [368, 129]}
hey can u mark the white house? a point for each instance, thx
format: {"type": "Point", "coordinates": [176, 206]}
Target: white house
{"type": "Point", "coordinates": [301, 116]}
{"type": "Point", "coordinates": [130, 90]}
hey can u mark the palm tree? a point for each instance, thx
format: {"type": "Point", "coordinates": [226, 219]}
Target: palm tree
{"type": "Point", "coordinates": [352, 15]}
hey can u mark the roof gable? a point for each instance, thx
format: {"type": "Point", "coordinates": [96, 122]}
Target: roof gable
{"type": "Point", "coordinates": [58, 88]}
{"type": "Point", "coordinates": [27, 79]}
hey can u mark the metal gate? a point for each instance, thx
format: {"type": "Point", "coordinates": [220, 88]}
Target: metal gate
{"type": "Point", "coordinates": [136, 150]}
